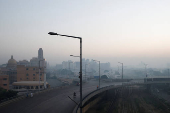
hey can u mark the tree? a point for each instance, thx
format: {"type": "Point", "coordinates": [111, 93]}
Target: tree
{"type": "Point", "coordinates": [4, 94]}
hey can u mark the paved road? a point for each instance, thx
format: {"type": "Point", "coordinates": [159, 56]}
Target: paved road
{"type": "Point", "coordinates": [54, 101]}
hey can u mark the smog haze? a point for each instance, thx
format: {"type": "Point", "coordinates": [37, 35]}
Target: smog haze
{"type": "Point", "coordinates": [132, 31]}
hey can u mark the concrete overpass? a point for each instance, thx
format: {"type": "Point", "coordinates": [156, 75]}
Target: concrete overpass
{"type": "Point", "coordinates": [147, 82]}
{"type": "Point", "coordinates": [56, 100]}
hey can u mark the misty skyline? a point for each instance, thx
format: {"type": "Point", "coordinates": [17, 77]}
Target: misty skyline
{"type": "Point", "coordinates": [112, 31]}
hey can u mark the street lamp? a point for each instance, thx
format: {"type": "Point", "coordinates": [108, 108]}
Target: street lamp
{"type": "Point", "coordinates": [39, 72]}
{"type": "Point", "coordinates": [118, 67]}
{"type": "Point", "coordinates": [99, 71]}
{"type": "Point", "coordinates": [122, 70]}
{"type": "Point", "coordinates": [85, 71]}
{"type": "Point", "coordinates": [69, 69]}
{"type": "Point", "coordinates": [146, 71]}
{"type": "Point", "coordinates": [69, 64]}
{"type": "Point", "coordinates": [52, 33]}
{"type": "Point", "coordinates": [74, 56]}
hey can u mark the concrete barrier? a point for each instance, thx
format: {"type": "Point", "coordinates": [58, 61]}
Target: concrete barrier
{"type": "Point", "coordinates": [17, 98]}
{"type": "Point", "coordinates": [93, 93]}
{"type": "Point", "coordinates": [85, 108]}
{"type": "Point", "coordinates": [90, 95]}
{"type": "Point", "coordinates": [12, 100]}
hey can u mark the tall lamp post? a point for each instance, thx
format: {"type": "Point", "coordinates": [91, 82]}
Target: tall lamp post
{"type": "Point", "coordinates": [85, 70]}
{"type": "Point", "coordinates": [118, 67]}
{"type": "Point", "coordinates": [146, 71]}
{"type": "Point", "coordinates": [99, 71]}
{"type": "Point", "coordinates": [69, 65]}
{"type": "Point", "coordinates": [52, 33]}
{"type": "Point", "coordinates": [69, 68]}
{"type": "Point", "coordinates": [39, 72]}
{"type": "Point", "coordinates": [74, 56]}
{"type": "Point", "coordinates": [122, 70]}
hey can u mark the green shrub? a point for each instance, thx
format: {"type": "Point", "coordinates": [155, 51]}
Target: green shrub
{"type": "Point", "coordinates": [4, 94]}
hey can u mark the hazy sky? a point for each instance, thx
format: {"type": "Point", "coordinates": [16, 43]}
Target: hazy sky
{"type": "Point", "coordinates": [128, 31]}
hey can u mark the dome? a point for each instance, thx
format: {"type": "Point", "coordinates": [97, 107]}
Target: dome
{"type": "Point", "coordinates": [12, 62]}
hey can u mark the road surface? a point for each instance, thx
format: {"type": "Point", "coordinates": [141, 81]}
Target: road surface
{"type": "Point", "coordinates": [54, 101]}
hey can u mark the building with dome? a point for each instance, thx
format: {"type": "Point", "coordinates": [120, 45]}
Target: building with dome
{"type": "Point", "coordinates": [24, 70]}
{"type": "Point", "coordinates": [10, 70]}
{"type": "Point", "coordinates": [12, 63]}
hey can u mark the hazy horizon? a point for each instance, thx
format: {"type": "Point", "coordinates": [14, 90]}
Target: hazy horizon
{"type": "Point", "coordinates": [112, 31]}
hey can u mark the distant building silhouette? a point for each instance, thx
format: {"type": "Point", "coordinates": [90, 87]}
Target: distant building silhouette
{"type": "Point", "coordinates": [40, 54]}
{"type": "Point", "coordinates": [24, 62]}
{"type": "Point", "coordinates": [34, 61]}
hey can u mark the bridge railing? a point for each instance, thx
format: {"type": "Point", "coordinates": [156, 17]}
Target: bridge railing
{"type": "Point", "coordinates": [100, 90]}
{"type": "Point", "coordinates": [93, 93]}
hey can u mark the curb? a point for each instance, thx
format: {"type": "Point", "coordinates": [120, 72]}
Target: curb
{"type": "Point", "coordinates": [23, 97]}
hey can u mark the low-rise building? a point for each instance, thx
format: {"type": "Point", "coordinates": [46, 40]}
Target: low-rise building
{"type": "Point", "coordinates": [4, 81]}
{"type": "Point", "coordinates": [29, 85]}
{"type": "Point", "coordinates": [29, 73]}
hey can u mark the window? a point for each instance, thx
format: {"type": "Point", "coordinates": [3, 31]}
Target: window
{"type": "Point", "coordinates": [4, 78]}
{"type": "Point", "coordinates": [26, 68]}
{"type": "Point", "coordinates": [27, 74]}
{"type": "Point", "coordinates": [40, 74]}
{"type": "Point", "coordinates": [27, 78]}
{"type": "Point", "coordinates": [20, 78]}
{"type": "Point", "coordinates": [33, 74]}
{"type": "Point", "coordinates": [33, 68]}
{"type": "Point", "coordinates": [5, 84]}
{"type": "Point", "coordinates": [40, 78]}
{"type": "Point", "coordinates": [34, 78]}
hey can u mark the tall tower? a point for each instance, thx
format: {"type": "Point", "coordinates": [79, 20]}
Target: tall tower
{"type": "Point", "coordinates": [40, 54]}
{"type": "Point", "coordinates": [42, 64]}
{"type": "Point", "coordinates": [40, 57]}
